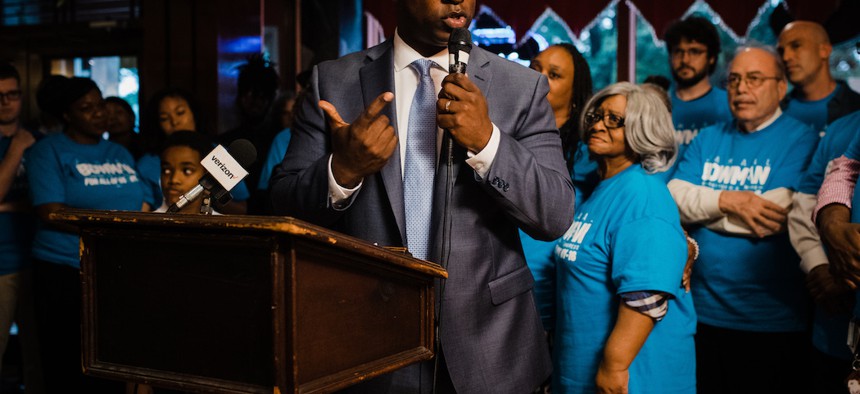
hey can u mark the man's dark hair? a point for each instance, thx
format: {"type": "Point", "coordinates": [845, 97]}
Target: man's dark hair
{"type": "Point", "coordinates": [259, 77]}
{"type": "Point", "coordinates": [696, 29]}
{"type": "Point", "coordinates": [122, 103]}
{"type": "Point", "coordinates": [659, 80]}
{"type": "Point", "coordinates": [9, 71]}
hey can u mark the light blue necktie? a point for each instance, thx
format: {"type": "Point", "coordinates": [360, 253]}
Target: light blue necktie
{"type": "Point", "coordinates": [420, 165]}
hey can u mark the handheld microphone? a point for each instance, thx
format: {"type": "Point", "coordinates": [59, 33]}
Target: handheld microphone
{"type": "Point", "coordinates": [225, 169]}
{"type": "Point", "coordinates": [459, 47]}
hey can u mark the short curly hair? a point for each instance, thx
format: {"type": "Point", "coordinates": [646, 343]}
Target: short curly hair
{"type": "Point", "coordinates": [698, 29]}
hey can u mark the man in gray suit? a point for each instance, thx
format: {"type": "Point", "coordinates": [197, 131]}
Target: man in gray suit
{"type": "Point", "coordinates": [348, 163]}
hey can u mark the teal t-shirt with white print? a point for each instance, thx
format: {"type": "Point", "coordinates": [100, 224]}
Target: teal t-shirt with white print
{"type": "Point", "coordinates": [90, 176]}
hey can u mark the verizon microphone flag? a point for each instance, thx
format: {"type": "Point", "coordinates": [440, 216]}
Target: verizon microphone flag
{"type": "Point", "coordinates": [226, 170]}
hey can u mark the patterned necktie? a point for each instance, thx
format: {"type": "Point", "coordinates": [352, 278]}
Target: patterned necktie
{"type": "Point", "coordinates": [420, 165]}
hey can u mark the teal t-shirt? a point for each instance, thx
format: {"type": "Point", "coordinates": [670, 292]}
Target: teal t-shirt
{"type": "Point", "coordinates": [813, 112]}
{"type": "Point", "coordinates": [626, 237]}
{"type": "Point", "coordinates": [274, 157]}
{"type": "Point", "coordinates": [689, 117]}
{"type": "Point", "coordinates": [828, 331]}
{"type": "Point", "coordinates": [16, 228]}
{"type": "Point", "coordinates": [833, 145]}
{"type": "Point", "coordinates": [96, 176]}
{"type": "Point", "coordinates": [738, 282]}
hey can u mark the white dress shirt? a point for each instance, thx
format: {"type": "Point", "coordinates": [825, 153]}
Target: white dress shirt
{"type": "Point", "coordinates": [405, 84]}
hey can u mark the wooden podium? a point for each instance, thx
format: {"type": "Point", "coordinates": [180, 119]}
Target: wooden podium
{"type": "Point", "coordinates": [246, 304]}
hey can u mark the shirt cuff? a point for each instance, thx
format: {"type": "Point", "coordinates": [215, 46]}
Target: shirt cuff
{"type": "Point", "coordinates": [483, 160]}
{"type": "Point", "coordinates": [813, 258]}
{"type": "Point", "coordinates": [338, 196]}
{"type": "Point", "coordinates": [710, 200]}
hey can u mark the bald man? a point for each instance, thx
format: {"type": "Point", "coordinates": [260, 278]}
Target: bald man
{"type": "Point", "coordinates": [817, 99]}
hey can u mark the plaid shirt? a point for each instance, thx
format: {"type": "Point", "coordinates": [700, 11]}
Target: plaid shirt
{"type": "Point", "coordinates": [838, 185]}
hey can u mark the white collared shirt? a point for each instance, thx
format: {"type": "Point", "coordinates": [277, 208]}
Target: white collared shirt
{"type": "Point", "coordinates": [769, 121]}
{"type": "Point", "coordinates": [405, 84]}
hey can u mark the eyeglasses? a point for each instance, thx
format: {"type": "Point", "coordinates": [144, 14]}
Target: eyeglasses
{"type": "Point", "coordinates": [12, 95]}
{"type": "Point", "coordinates": [753, 80]}
{"type": "Point", "coordinates": [693, 52]}
{"type": "Point", "coordinates": [610, 120]}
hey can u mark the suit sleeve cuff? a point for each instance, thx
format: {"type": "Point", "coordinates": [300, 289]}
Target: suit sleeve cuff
{"type": "Point", "coordinates": [339, 197]}
{"type": "Point", "coordinates": [483, 160]}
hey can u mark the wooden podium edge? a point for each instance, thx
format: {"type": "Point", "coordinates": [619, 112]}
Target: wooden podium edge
{"type": "Point", "coordinates": [171, 380]}
{"type": "Point", "coordinates": [365, 371]}
{"type": "Point", "coordinates": [278, 224]}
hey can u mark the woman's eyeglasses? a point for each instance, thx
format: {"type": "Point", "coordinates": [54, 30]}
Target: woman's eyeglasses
{"type": "Point", "coordinates": [609, 120]}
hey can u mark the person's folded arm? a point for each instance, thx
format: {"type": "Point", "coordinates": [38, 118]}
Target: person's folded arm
{"type": "Point", "coordinates": [803, 234]}
{"type": "Point", "coordinates": [696, 203]}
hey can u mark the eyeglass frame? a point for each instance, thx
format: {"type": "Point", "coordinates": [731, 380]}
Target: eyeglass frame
{"type": "Point", "coordinates": [693, 52]}
{"type": "Point", "coordinates": [591, 119]}
{"type": "Point", "coordinates": [749, 78]}
{"type": "Point", "coordinates": [12, 95]}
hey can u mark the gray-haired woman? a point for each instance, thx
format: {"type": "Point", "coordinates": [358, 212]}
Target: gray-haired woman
{"type": "Point", "coordinates": [624, 321]}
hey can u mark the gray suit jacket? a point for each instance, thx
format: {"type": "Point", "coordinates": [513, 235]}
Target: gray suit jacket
{"type": "Point", "coordinates": [490, 331]}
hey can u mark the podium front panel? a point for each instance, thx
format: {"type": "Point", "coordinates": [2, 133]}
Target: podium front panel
{"type": "Point", "coordinates": [353, 315]}
{"type": "Point", "coordinates": [185, 308]}
{"type": "Point", "coordinates": [244, 304]}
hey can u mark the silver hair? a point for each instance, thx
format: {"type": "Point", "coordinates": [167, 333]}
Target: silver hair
{"type": "Point", "coordinates": [770, 50]}
{"type": "Point", "coordinates": [648, 128]}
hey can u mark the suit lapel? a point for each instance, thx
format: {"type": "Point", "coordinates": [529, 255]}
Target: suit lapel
{"type": "Point", "coordinates": [377, 77]}
{"type": "Point", "coordinates": [479, 70]}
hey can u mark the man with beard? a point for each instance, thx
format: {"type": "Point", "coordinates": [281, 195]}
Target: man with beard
{"type": "Point", "coordinates": [694, 48]}
{"type": "Point", "coordinates": [368, 157]}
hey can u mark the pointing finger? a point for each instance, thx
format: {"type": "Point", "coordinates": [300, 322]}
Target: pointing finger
{"type": "Point", "coordinates": [334, 119]}
{"type": "Point", "coordinates": [375, 107]}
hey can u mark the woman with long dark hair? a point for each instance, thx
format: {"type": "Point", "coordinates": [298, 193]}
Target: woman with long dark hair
{"type": "Point", "coordinates": [168, 111]}
{"type": "Point", "coordinates": [569, 89]}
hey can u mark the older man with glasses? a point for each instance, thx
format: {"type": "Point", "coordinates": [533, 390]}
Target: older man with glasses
{"type": "Point", "coordinates": [733, 187]}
